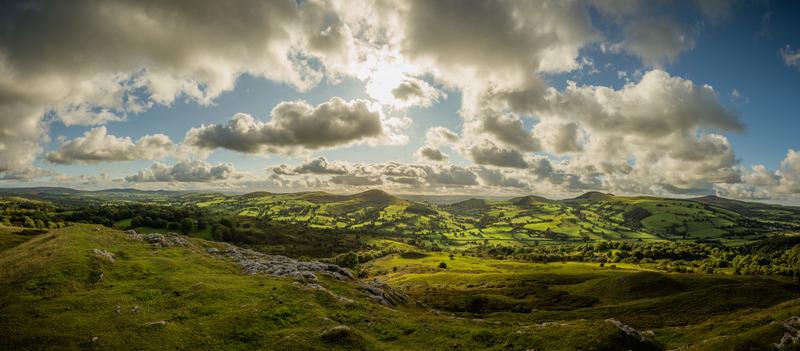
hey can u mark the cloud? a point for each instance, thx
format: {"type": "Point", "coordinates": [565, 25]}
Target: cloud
{"type": "Point", "coordinates": [58, 59]}
{"type": "Point", "coordinates": [295, 128]}
{"type": "Point", "coordinates": [102, 179]}
{"type": "Point", "coordinates": [389, 174]}
{"type": "Point", "coordinates": [29, 173]}
{"type": "Point", "coordinates": [354, 180]}
{"type": "Point", "coordinates": [416, 92]}
{"type": "Point", "coordinates": [657, 41]}
{"type": "Point", "coordinates": [507, 129]}
{"type": "Point", "coordinates": [532, 35]}
{"type": "Point", "coordinates": [791, 58]}
{"type": "Point", "coordinates": [319, 165]}
{"type": "Point", "coordinates": [501, 178]}
{"type": "Point", "coordinates": [786, 180]}
{"type": "Point", "coordinates": [438, 136]}
{"type": "Point", "coordinates": [21, 130]}
{"type": "Point", "coordinates": [90, 63]}
{"type": "Point", "coordinates": [558, 138]}
{"type": "Point", "coordinates": [487, 153]}
{"type": "Point", "coordinates": [97, 146]}
{"type": "Point", "coordinates": [431, 154]}
{"type": "Point", "coordinates": [184, 171]}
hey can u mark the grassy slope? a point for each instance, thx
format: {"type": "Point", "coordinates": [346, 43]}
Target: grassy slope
{"type": "Point", "coordinates": [680, 309]}
{"type": "Point", "coordinates": [52, 300]}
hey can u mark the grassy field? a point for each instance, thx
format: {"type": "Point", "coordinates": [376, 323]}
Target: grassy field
{"type": "Point", "coordinates": [181, 298]}
{"type": "Point", "coordinates": [677, 309]}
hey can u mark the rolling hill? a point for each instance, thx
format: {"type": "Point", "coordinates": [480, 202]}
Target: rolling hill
{"type": "Point", "coordinates": [89, 287]}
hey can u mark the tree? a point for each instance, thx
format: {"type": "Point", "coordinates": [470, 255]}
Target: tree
{"type": "Point", "coordinates": [202, 224]}
{"type": "Point", "coordinates": [137, 221]}
{"type": "Point", "coordinates": [186, 224]}
{"type": "Point", "coordinates": [443, 265]}
{"type": "Point", "coordinates": [226, 222]}
{"type": "Point", "coordinates": [347, 260]}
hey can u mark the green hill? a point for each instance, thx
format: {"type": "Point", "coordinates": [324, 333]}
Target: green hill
{"type": "Point", "coordinates": [522, 221]}
{"type": "Point", "coordinates": [87, 288]}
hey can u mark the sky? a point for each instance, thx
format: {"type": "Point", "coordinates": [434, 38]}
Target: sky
{"type": "Point", "coordinates": [481, 98]}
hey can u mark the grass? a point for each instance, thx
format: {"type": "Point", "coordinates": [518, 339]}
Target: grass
{"type": "Point", "coordinates": [52, 300]}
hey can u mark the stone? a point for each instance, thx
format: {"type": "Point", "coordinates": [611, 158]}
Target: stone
{"type": "Point", "coordinates": [105, 254]}
{"type": "Point", "coordinates": [315, 286]}
{"type": "Point", "coordinates": [156, 323]}
{"type": "Point", "coordinates": [336, 329]}
{"type": "Point", "coordinates": [384, 293]}
{"type": "Point", "coordinates": [213, 251]}
{"type": "Point", "coordinates": [628, 330]}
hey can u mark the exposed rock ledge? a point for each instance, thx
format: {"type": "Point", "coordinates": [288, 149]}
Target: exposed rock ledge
{"type": "Point", "coordinates": [253, 262]}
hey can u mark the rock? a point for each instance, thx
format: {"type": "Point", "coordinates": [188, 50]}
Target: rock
{"type": "Point", "coordinates": [154, 238]}
{"type": "Point", "coordinates": [213, 251]}
{"type": "Point", "coordinates": [171, 239]}
{"type": "Point", "coordinates": [100, 277]}
{"type": "Point", "coordinates": [628, 330]}
{"type": "Point", "coordinates": [94, 338]}
{"type": "Point", "coordinates": [315, 286]}
{"type": "Point", "coordinates": [135, 309]}
{"type": "Point", "coordinates": [253, 262]}
{"type": "Point", "coordinates": [336, 329]}
{"type": "Point", "coordinates": [104, 254]}
{"type": "Point", "coordinates": [118, 309]}
{"type": "Point", "coordinates": [130, 231]}
{"type": "Point", "coordinates": [156, 323]}
{"type": "Point", "coordinates": [791, 336]}
{"type": "Point", "coordinates": [384, 293]}
{"type": "Point", "coordinates": [96, 229]}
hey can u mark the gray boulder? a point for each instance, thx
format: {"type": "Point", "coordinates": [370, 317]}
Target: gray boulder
{"type": "Point", "coordinates": [104, 254]}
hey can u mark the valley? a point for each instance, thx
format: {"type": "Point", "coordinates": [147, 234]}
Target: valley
{"type": "Point", "coordinates": [110, 270]}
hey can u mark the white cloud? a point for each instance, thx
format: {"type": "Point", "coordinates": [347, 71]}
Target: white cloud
{"type": "Point", "coordinates": [90, 63]}
{"type": "Point", "coordinates": [97, 146]}
{"type": "Point", "coordinates": [558, 138]}
{"type": "Point", "coordinates": [657, 41]}
{"type": "Point", "coordinates": [29, 173]}
{"type": "Point", "coordinates": [488, 153]}
{"type": "Point", "coordinates": [429, 153]}
{"type": "Point", "coordinates": [786, 180]}
{"type": "Point", "coordinates": [296, 128]}
{"type": "Point", "coordinates": [791, 57]}
{"type": "Point", "coordinates": [319, 165]}
{"type": "Point", "coordinates": [416, 92]}
{"type": "Point", "coordinates": [184, 171]}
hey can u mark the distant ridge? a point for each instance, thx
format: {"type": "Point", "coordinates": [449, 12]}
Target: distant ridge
{"type": "Point", "coordinates": [592, 196]}
{"type": "Point", "coordinates": [531, 200]}
{"type": "Point", "coordinates": [137, 191]}
{"type": "Point", "coordinates": [41, 190]}
{"type": "Point", "coordinates": [256, 194]}
{"type": "Point", "coordinates": [379, 198]}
